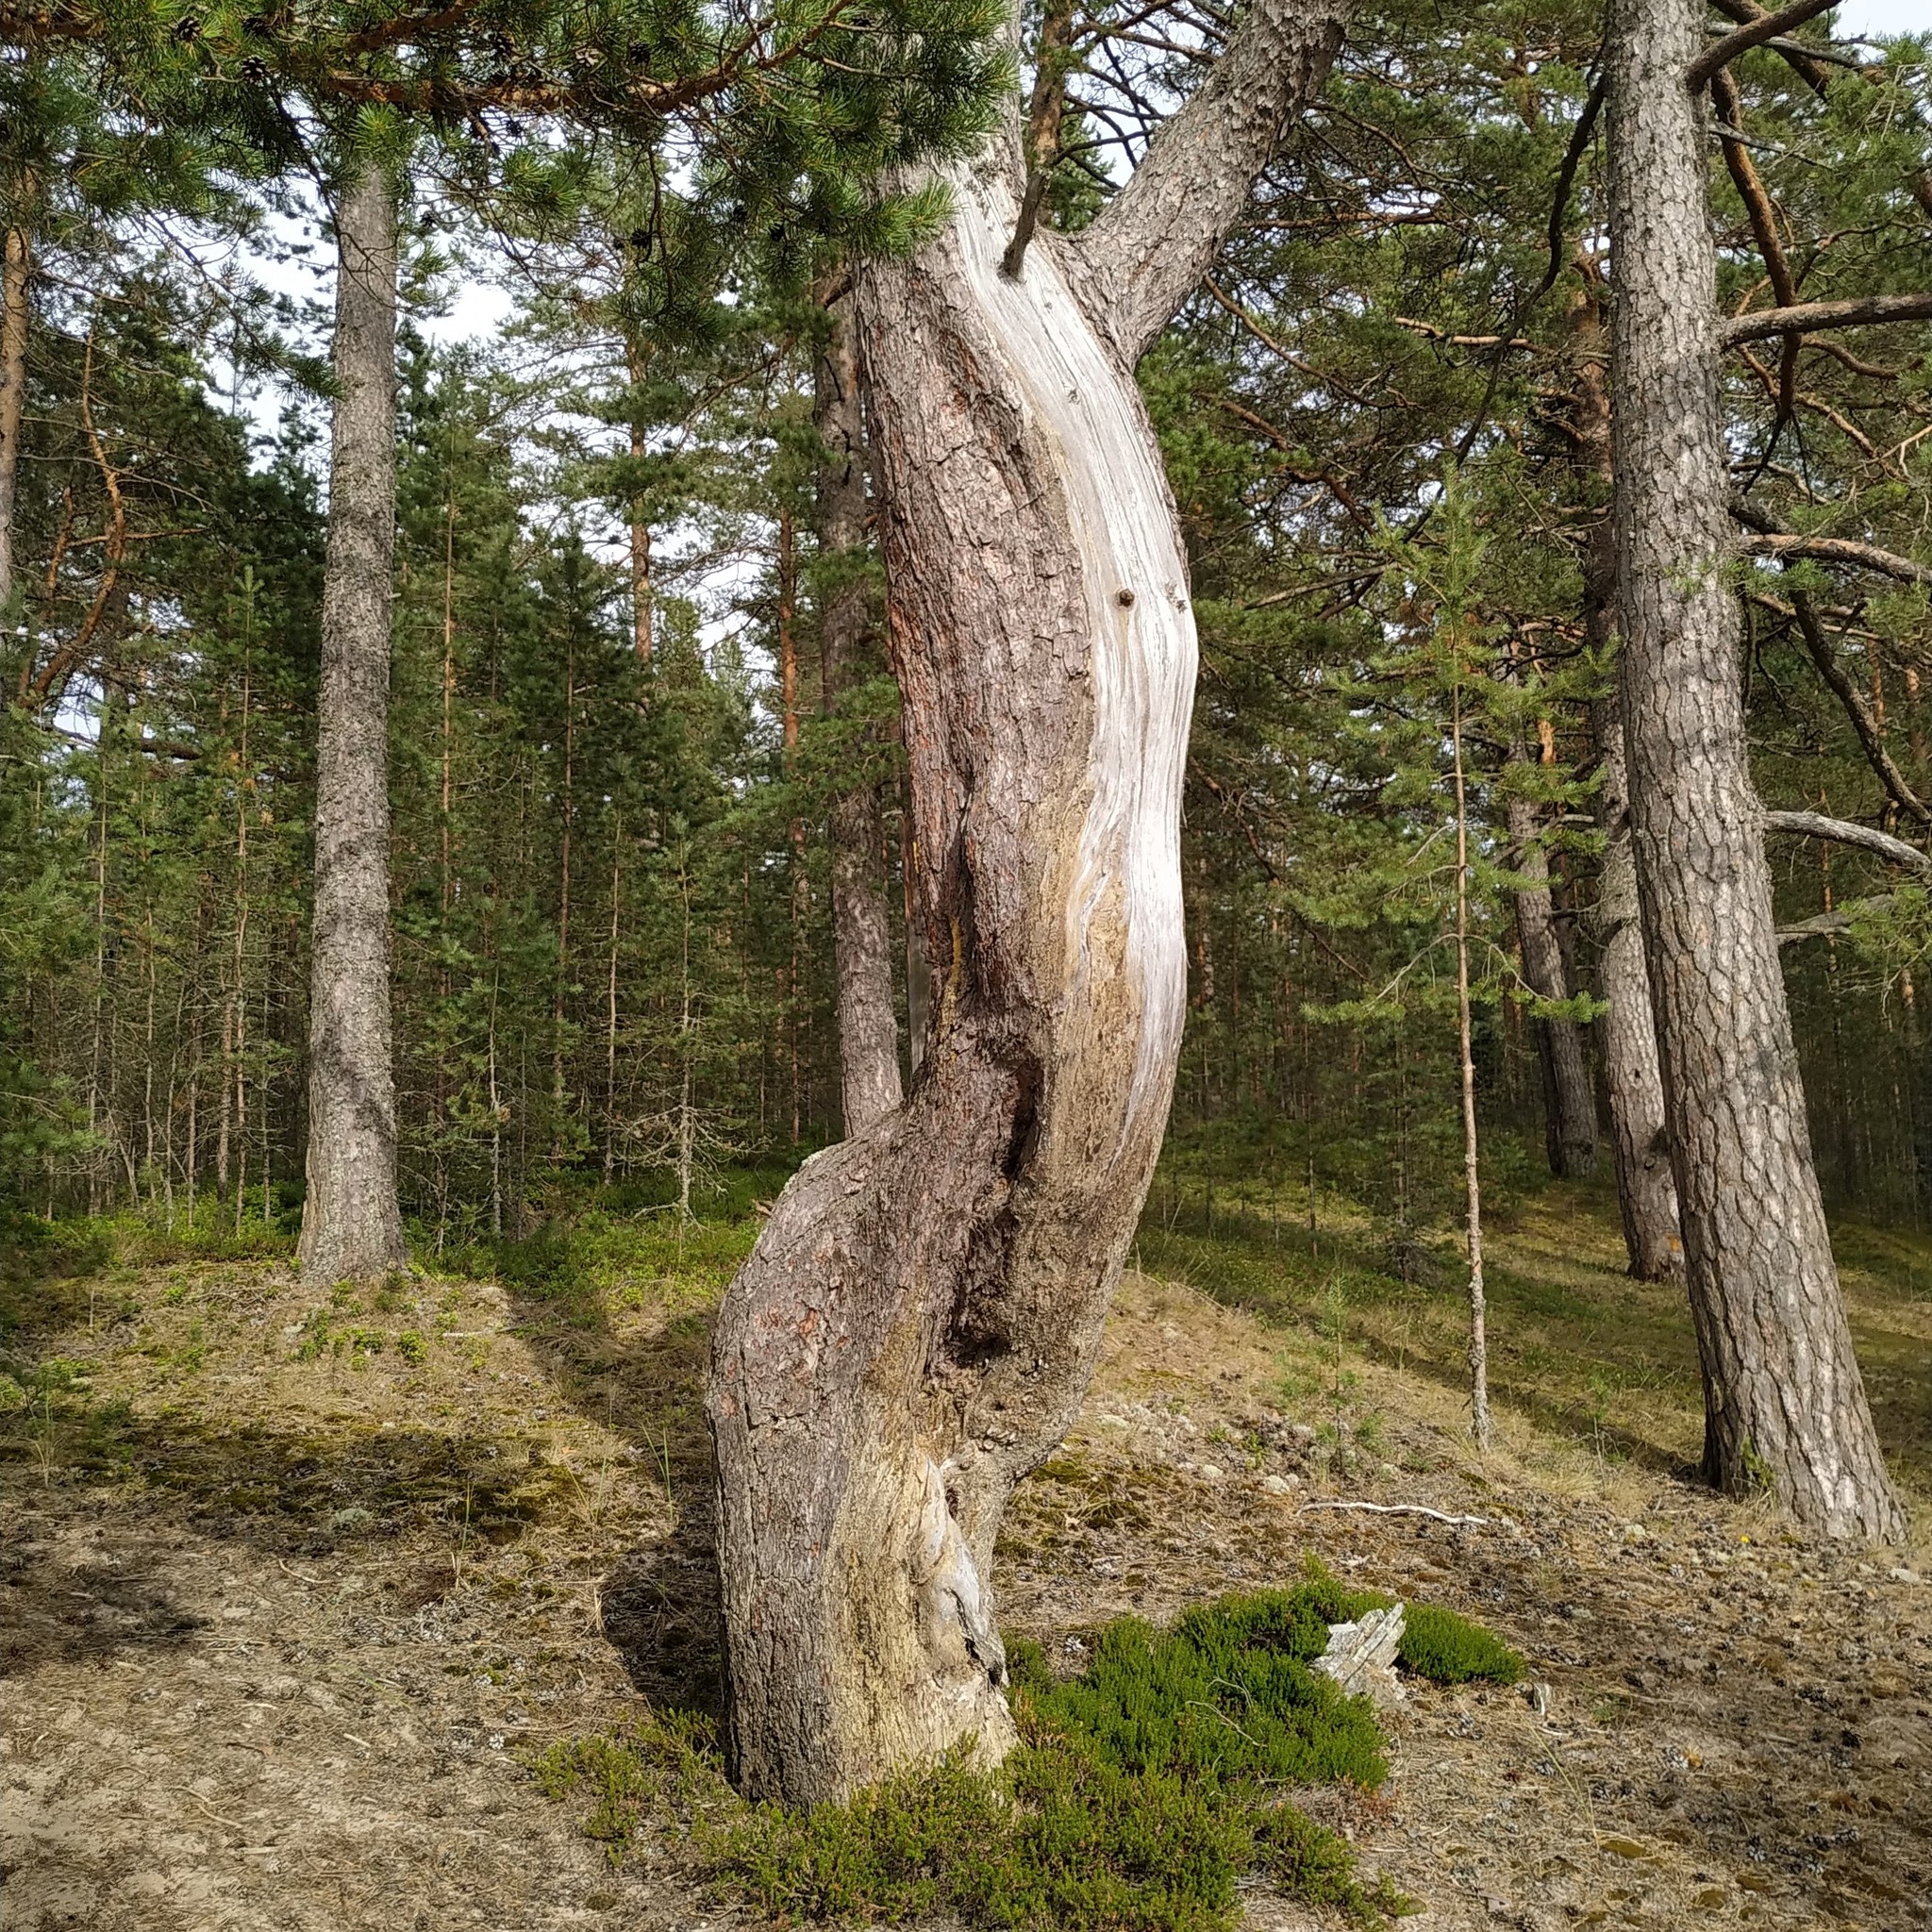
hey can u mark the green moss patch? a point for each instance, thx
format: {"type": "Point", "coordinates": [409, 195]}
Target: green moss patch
{"type": "Point", "coordinates": [1142, 1790]}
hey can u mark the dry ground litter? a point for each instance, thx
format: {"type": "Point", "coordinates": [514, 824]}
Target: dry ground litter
{"type": "Point", "coordinates": [294, 1587]}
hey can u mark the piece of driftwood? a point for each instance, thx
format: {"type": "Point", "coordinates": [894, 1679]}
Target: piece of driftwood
{"type": "Point", "coordinates": [1361, 1655]}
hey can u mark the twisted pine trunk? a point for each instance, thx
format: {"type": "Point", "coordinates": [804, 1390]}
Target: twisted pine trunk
{"type": "Point", "coordinates": [920, 1320]}
{"type": "Point", "coordinates": [861, 927]}
{"type": "Point", "coordinates": [351, 1225]}
{"type": "Point", "coordinates": [1784, 1402]}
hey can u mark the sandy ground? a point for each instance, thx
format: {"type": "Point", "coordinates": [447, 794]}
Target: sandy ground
{"type": "Point", "coordinates": [291, 1593]}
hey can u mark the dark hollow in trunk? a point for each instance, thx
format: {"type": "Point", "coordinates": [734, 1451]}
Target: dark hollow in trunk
{"type": "Point", "coordinates": [1784, 1402]}
{"type": "Point", "coordinates": [351, 1225]}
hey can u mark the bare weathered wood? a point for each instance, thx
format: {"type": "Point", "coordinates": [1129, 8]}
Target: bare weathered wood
{"type": "Point", "coordinates": [861, 930]}
{"type": "Point", "coordinates": [923, 1312]}
{"type": "Point", "coordinates": [351, 1225]}
{"type": "Point", "coordinates": [1784, 1402]}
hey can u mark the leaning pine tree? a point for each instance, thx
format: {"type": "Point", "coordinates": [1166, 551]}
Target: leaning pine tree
{"type": "Point", "coordinates": [1784, 1402]}
{"type": "Point", "coordinates": [918, 1324]}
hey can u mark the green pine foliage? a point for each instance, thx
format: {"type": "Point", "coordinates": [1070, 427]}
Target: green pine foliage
{"type": "Point", "coordinates": [1142, 1790]}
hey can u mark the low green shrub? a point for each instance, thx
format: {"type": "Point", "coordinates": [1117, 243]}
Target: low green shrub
{"type": "Point", "coordinates": [1142, 1790]}
{"type": "Point", "coordinates": [1449, 1649]}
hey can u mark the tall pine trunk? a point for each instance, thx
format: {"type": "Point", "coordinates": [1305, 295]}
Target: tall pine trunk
{"type": "Point", "coordinates": [1569, 1095]}
{"type": "Point", "coordinates": [16, 271]}
{"type": "Point", "coordinates": [1646, 1187]}
{"type": "Point", "coordinates": [861, 929]}
{"type": "Point", "coordinates": [1626, 1035]}
{"type": "Point", "coordinates": [1784, 1404]}
{"type": "Point", "coordinates": [351, 1225]}
{"type": "Point", "coordinates": [920, 1320]}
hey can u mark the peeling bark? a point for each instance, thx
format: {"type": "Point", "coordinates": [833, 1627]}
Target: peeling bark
{"type": "Point", "coordinates": [1784, 1402]}
{"type": "Point", "coordinates": [352, 1227]}
{"type": "Point", "coordinates": [924, 1310]}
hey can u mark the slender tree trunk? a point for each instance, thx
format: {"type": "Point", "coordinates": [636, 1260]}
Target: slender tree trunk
{"type": "Point", "coordinates": [1646, 1189]}
{"type": "Point", "coordinates": [788, 698]}
{"type": "Point", "coordinates": [610, 1004]}
{"type": "Point", "coordinates": [1784, 1402]}
{"type": "Point", "coordinates": [16, 273]}
{"type": "Point", "coordinates": [351, 1225]}
{"type": "Point", "coordinates": [640, 612]}
{"type": "Point", "coordinates": [917, 967]}
{"type": "Point", "coordinates": [920, 1320]}
{"type": "Point", "coordinates": [1472, 1176]}
{"type": "Point", "coordinates": [556, 1001]}
{"type": "Point", "coordinates": [1569, 1095]}
{"type": "Point", "coordinates": [861, 929]}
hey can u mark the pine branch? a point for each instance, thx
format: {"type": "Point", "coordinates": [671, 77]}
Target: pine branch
{"type": "Point", "coordinates": [1767, 26]}
{"type": "Point", "coordinates": [1150, 247]}
{"type": "Point", "coordinates": [1815, 825]}
{"type": "Point", "coordinates": [1805, 317]}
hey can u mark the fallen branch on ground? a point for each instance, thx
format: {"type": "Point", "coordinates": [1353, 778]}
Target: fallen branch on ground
{"type": "Point", "coordinates": [1403, 1510]}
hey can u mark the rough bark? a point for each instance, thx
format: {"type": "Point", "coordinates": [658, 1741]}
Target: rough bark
{"type": "Point", "coordinates": [918, 1324]}
{"type": "Point", "coordinates": [1569, 1096]}
{"type": "Point", "coordinates": [15, 274]}
{"type": "Point", "coordinates": [861, 929]}
{"type": "Point", "coordinates": [1626, 1035]}
{"type": "Point", "coordinates": [1784, 1402]}
{"type": "Point", "coordinates": [1646, 1187]}
{"type": "Point", "coordinates": [351, 1225]}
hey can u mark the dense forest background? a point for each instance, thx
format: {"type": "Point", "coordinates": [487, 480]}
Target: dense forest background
{"type": "Point", "coordinates": [612, 759]}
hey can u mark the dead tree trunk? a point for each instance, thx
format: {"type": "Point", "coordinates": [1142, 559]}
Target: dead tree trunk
{"type": "Point", "coordinates": [919, 1321]}
{"type": "Point", "coordinates": [1569, 1094]}
{"type": "Point", "coordinates": [861, 929]}
{"type": "Point", "coordinates": [351, 1225]}
{"type": "Point", "coordinates": [1784, 1402]}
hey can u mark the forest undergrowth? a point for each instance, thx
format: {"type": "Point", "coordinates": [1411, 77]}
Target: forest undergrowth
{"type": "Point", "coordinates": [311, 1601]}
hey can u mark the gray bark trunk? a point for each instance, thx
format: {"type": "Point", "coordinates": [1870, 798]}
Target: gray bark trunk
{"type": "Point", "coordinates": [861, 929]}
{"type": "Point", "coordinates": [351, 1225]}
{"type": "Point", "coordinates": [1626, 1035]}
{"type": "Point", "coordinates": [1569, 1096]}
{"type": "Point", "coordinates": [920, 1320]}
{"type": "Point", "coordinates": [15, 274]}
{"type": "Point", "coordinates": [1784, 1402]}
{"type": "Point", "coordinates": [1646, 1187]}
